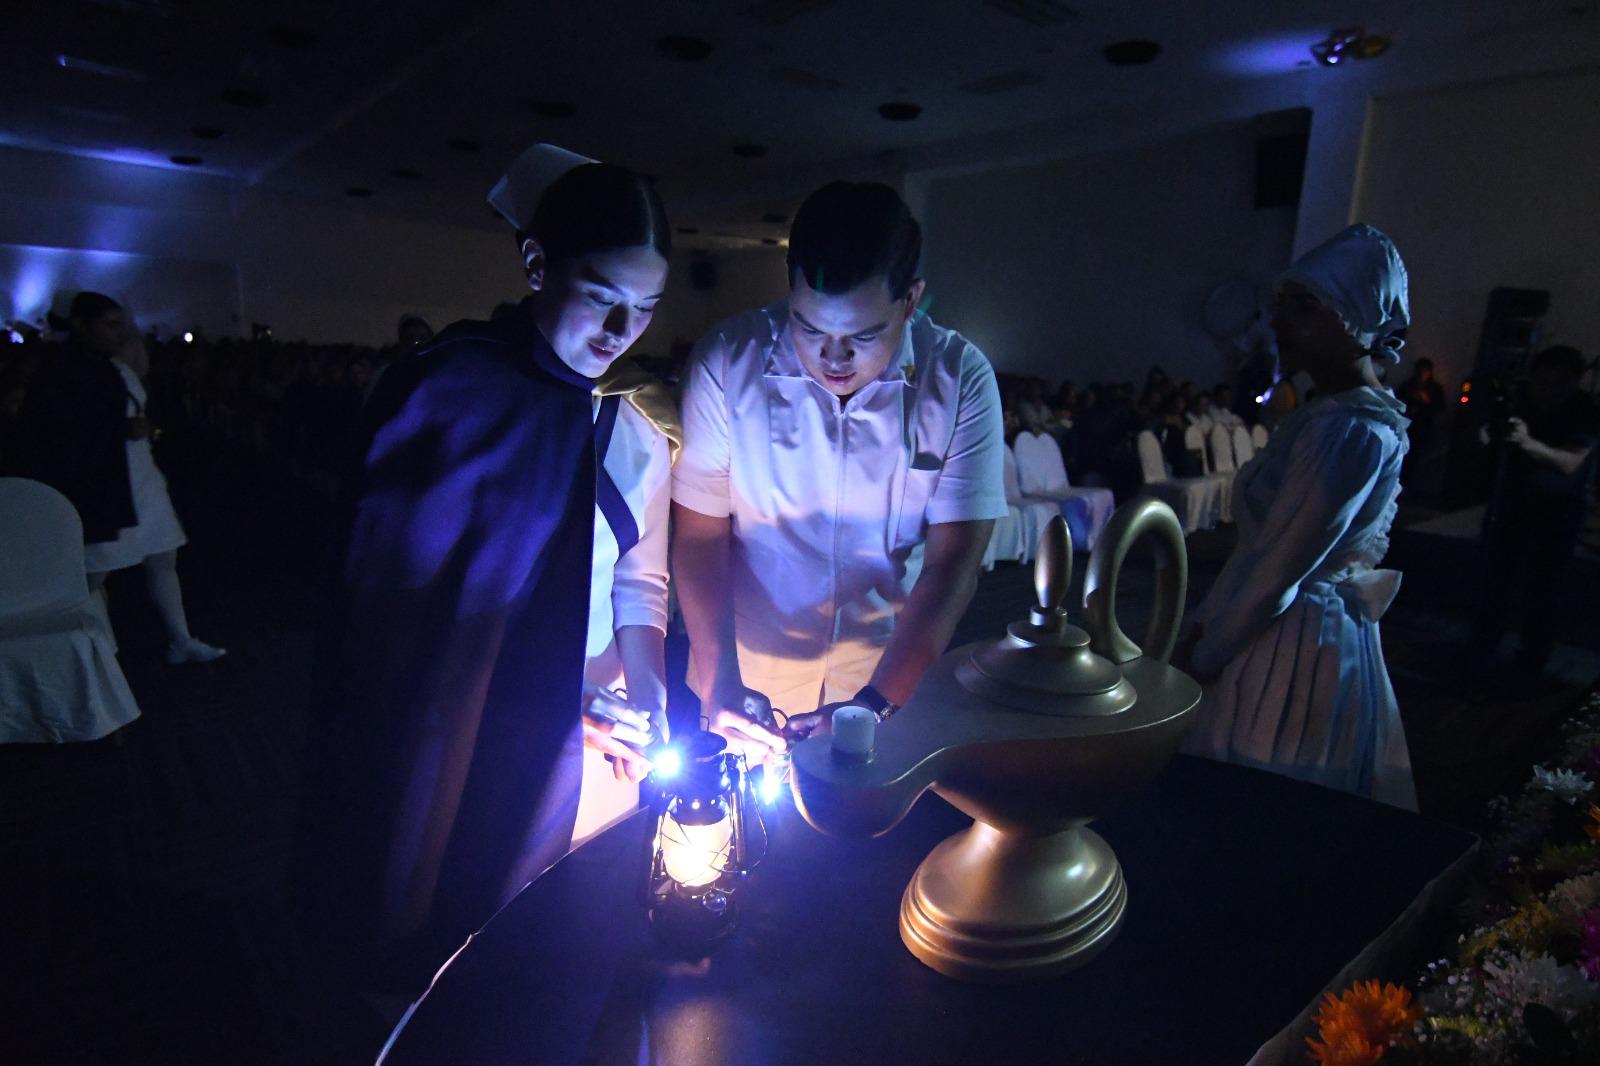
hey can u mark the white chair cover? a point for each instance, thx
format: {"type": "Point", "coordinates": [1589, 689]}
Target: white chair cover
{"type": "Point", "coordinates": [1006, 541]}
{"type": "Point", "coordinates": [1258, 436]}
{"type": "Point", "coordinates": [1193, 499]}
{"type": "Point", "coordinates": [59, 677]}
{"type": "Point", "coordinates": [1244, 449]}
{"type": "Point", "coordinates": [1222, 466]}
{"type": "Point", "coordinates": [1034, 513]}
{"type": "Point", "coordinates": [1194, 440]}
{"type": "Point", "coordinates": [1221, 449]}
{"type": "Point", "coordinates": [1042, 475]}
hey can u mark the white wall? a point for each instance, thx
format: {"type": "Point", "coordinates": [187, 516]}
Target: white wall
{"type": "Point", "coordinates": [1486, 185]}
{"type": "Point", "coordinates": [185, 249]}
{"type": "Point", "coordinates": [1095, 267]}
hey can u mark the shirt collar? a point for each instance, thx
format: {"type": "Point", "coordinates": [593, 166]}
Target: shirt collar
{"type": "Point", "coordinates": [524, 333]}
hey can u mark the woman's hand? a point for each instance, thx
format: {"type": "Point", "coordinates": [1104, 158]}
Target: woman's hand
{"type": "Point", "coordinates": [619, 730]}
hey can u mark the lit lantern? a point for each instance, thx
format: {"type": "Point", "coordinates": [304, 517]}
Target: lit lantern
{"type": "Point", "coordinates": [698, 853]}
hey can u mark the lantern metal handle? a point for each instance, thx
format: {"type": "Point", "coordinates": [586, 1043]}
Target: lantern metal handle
{"type": "Point", "coordinates": [1133, 520]}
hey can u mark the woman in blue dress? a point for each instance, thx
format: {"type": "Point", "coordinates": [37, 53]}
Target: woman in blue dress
{"type": "Point", "coordinates": [1286, 642]}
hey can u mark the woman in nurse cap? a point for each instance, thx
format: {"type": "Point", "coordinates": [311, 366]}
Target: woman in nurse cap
{"type": "Point", "coordinates": [1287, 642]}
{"type": "Point", "coordinates": [509, 475]}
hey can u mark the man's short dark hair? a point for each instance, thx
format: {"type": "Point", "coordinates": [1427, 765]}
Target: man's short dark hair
{"type": "Point", "coordinates": [88, 306]}
{"type": "Point", "coordinates": [1423, 364]}
{"type": "Point", "coordinates": [1560, 357]}
{"type": "Point", "coordinates": [847, 232]}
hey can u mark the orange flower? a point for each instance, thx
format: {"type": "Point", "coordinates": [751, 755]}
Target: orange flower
{"type": "Point", "coordinates": [1593, 830]}
{"type": "Point", "coordinates": [1341, 1047]}
{"type": "Point", "coordinates": [1357, 1027]}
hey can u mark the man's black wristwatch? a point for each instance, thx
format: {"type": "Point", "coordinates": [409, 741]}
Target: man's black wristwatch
{"type": "Point", "coordinates": [876, 702]}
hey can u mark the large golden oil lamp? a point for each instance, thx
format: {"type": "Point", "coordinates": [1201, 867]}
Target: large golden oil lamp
{"type": "Point", "coordinates": [1033, 735]}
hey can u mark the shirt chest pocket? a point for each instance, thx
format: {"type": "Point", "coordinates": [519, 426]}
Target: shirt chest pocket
{"type": "Point", "coordinates": [910, 527]}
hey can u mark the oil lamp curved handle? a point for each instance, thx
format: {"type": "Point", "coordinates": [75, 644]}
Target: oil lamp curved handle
{"type": "Point", "coordinates": [1132, 521]}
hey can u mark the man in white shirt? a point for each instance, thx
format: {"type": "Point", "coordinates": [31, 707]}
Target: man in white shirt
{"type": "Point", "coordinates": [1222, 407]}
{"type": "Point", "coordinates": [841, 471]}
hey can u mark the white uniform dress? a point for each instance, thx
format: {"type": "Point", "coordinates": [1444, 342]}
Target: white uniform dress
{"type": "Point", "coordinates": [1291, 625]}
{"type": "Point", "coordinates": [830, 503]}
{"type": "Point", "coordinates": [628, 591]}
{"type": "Point", "coordinates": [158, 529]}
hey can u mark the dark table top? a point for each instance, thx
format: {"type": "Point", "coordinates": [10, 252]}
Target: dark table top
{"type": "Point", "coordinates": [1247, 893]}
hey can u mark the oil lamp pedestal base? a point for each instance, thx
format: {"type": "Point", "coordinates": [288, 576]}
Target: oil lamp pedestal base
{"type": "Point", "coordinates": [1006, 908]}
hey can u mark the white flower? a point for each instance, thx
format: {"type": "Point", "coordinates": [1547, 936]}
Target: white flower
{"type": "Point", "coordinates": [1575, 895]}
{"type": "Point", "coordinates": [1521, 980]}
{"type": "Point", "coordinates": [1568, 785]}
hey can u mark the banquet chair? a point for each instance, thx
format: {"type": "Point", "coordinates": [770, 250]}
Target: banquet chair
{"type": "Point", "coordinates": [1035, 514]}
{"type": "Point", "coordinates": [59, 675]}
{"type": "Point", "coordinates": [1008, 539]}
{"type": "Point", "coordinates": [1194, 499]}
{"type": "Point", "coordinates": [1217, 446]}
{"type": "Point", "coordinates": [1042, 475]}
{"type": "Point", "coordinates": [1244, 449]}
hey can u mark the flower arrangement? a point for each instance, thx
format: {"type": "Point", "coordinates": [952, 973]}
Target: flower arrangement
{"type": "Point", "coordinates": [1524, 985]}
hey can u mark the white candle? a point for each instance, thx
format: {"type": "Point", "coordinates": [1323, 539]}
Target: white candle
{"type": "Point", "coordinates": [854, 731]}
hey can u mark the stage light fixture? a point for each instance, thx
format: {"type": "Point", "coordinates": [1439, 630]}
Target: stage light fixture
{"type": "Point", "coordinates": [1353, 42]}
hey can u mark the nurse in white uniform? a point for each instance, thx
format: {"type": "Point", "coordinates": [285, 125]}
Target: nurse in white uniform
{"type": "Point", "coordinates": [841, 472]}
{"type": "Point", "coordinates": [154, 540]}
{"type": "Point", "coordinates": [638, 435]}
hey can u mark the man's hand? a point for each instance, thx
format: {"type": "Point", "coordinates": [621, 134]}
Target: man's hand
{"type": "Point", "coordinates": [619, 730]}
{"type": "Point", "coordinates": [1517, 433]}
{"type": "Point", "coordinates": [743, 717]}
{"type": "Point", "coordinates": [801, 726]}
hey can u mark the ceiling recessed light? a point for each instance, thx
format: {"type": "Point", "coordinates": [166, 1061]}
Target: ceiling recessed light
{"type": "Point", "coordinates": [899, 111]}
{"type": "Point", "coordinates": [553, 109]}
{"type": "Point", "coordinates": [291, 37]}
{"type": "Point", "coordinates": [465, 144]}
{"type": "Point", "coordinates": [750, 151]}
{"type": "Point", "coordinates": [1131, 53]}
{"type": "Point", "coordinates": [186, 160]}
{"type": "Point", "coordinates": [405, 174]}
{"type": "Point", "coordinates": [1347, 44]}
{"type": "Point", "coordinates": [245, 97]}
{"type": "Point", "coordinates": [775, 218]}
{"type": "Point", "coordinates": [684, 49]}
{"type": "Point", "coordinates": [208, 133]}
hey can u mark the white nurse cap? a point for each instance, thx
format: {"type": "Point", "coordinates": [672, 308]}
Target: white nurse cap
{"type": "Point", "coordinates": [516, 196]}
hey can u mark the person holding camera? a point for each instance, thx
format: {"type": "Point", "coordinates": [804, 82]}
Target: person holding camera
{"type": "Point", "coordinates": [1547, 455]}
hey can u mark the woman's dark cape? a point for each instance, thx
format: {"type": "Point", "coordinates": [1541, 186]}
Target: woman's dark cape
{"type": "Point", "coordinates": [445, 746]}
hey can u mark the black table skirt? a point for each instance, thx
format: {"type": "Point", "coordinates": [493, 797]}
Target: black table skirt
{"type": "Point", "coordinates": [1247, 893]}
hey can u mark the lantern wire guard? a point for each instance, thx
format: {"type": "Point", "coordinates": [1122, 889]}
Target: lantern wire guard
{"type": "Point", "coordinates": [700, 852]}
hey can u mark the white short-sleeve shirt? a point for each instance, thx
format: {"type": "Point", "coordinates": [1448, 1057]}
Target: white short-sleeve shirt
{"type": "Point", "coordinates": [830, 503]}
